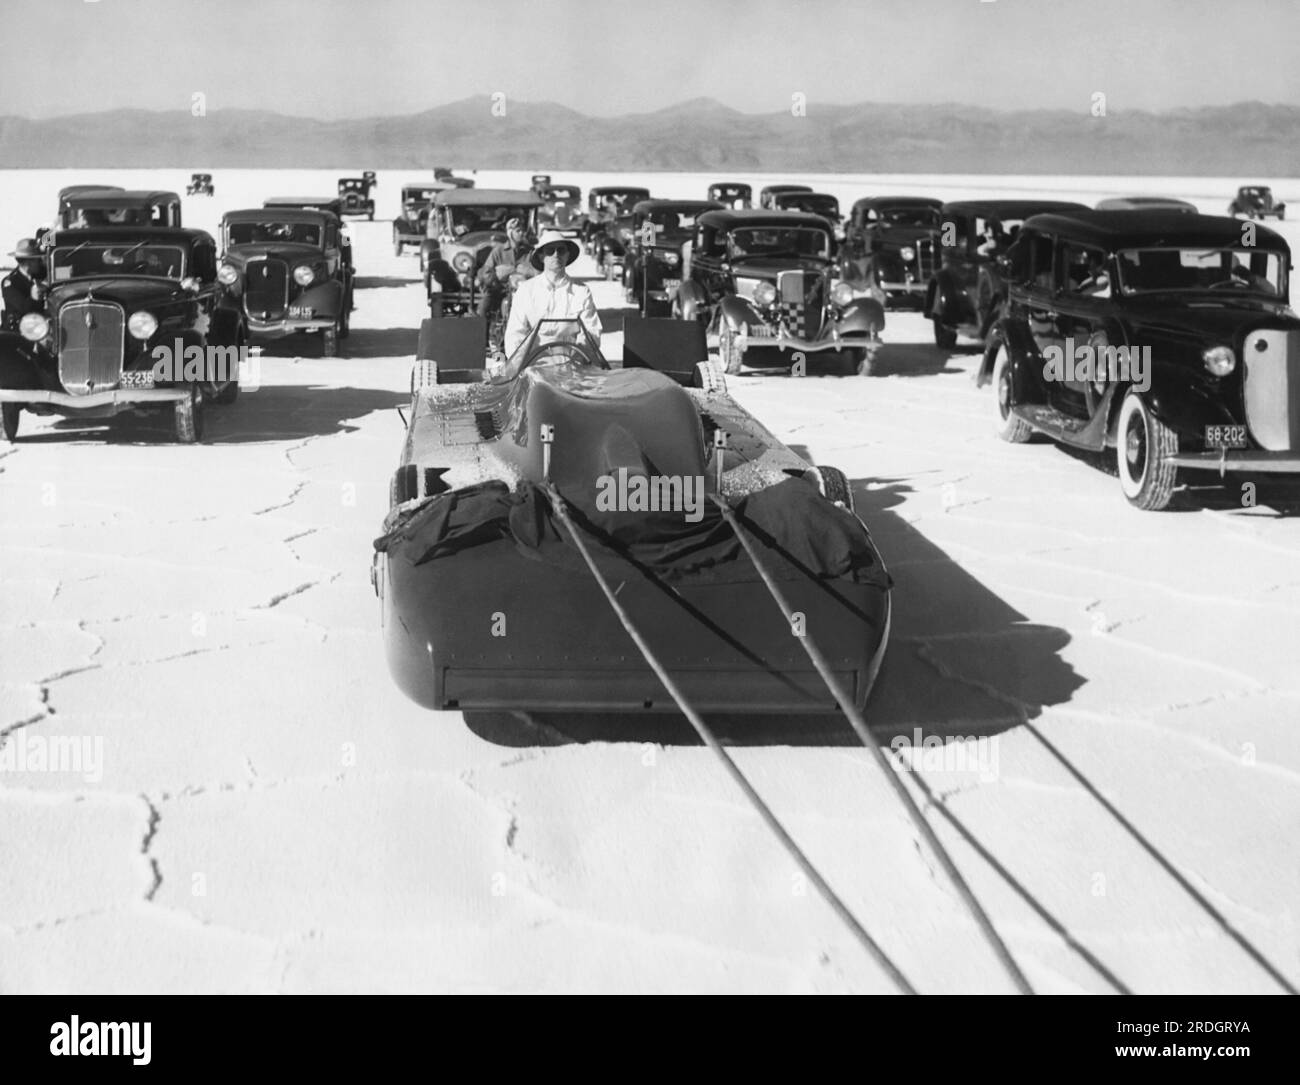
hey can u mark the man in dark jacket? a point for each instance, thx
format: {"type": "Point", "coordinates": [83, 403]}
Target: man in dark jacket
{"type": "Point", "coordinates": [16, 287]}
{"type": "Point", "coordinates": [507, 263]}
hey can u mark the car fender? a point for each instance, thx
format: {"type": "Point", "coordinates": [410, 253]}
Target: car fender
{"type": "Point", "coordinates": [738, 313]}
{"type": "Point", "coordinates": [1184, 407]}
{"type": "Point", "coordinates": [945, 299]}
{"type": "Point", "coordinates": [862, 315]}
{"type": "Point", "coordinates": [1021, 346]}
{"type": "Point", "coordinates": [326, 298]}
{"type": "Point", "coordinates": [18, 363]}
{"type": "Point", "coordinates": [226, 327]}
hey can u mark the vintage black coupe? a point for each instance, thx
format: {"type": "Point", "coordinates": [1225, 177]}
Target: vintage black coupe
{"type": "Point", "coordinates": [200, 185]}
{"type": "Point", "coordinates": [354, 192]}
{"type": "Point", "coordinates": [561, 208]}
{"type": "Point", "coordinates": [1160, 335]}
{"type": "Point", "coordinates": [506, 480]}
{"type": "Point", "coordinates": [652, 263]}
{"type": "Point", "coordinates": [767, 282]}
{"type": "Point", "coordinates": [287, 271]}
{"type": "Point", "coordinates": [463, 226]}
{"type": "Point", "coordinates": [766, 195]}
{"type": "Point", "coordinates": [95, 207]}
{"type": "Point", "coordinates": [889, 242]}
{"type": "Point", "coordinates": [123, 311]}
{"type": "Point", "coordinates": [733, 195]}
{"type": "Point", "coordinates": [965, 294]}
{"type": "Point", "coordinates": [1257, 202]}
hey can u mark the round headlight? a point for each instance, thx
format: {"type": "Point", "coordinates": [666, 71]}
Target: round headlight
{"type": "Point", "coordinates": [765, 293]}
{"type": "Point", "coordinates": [907, 253]}
{"type": "Point", "coordinates": [34, 327]}
{"type": "Point", "coordinates": [303, 274]}
{"type": "Point", "coordinates": [842, 294]}
{"type": "Point", "coordinates": [142, 324]}
{"type": "Point", "coordinates": [227, 275]}
{"type": "Point", "coordinates": [463, 261]}
{"type": "Point", "coordinates": [1220, 361]}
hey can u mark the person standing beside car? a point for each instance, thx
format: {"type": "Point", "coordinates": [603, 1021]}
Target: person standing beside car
{"type": "Point", "coordinates": [16, 287]}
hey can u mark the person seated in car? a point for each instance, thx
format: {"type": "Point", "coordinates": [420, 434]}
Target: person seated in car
{"type": "Point", "coordinates": [506, 267]}
{"type": "Point", "coordinates": [995, 239]}
{"type": "Point", "coordinates": [1094, 282]}
{"type": "Point", "coordinates": [88, 217]}
{"type": "Point", "coordinates": [551, 294]}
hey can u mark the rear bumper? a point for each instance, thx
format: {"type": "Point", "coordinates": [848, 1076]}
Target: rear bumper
{"type": "Point", "coordinates": [122, 398]}
{"type": "Point", "coordinates": [1281, 463]}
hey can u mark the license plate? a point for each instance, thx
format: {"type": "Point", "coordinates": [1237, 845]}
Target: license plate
{"type": "Point", "coordinates": [1220, 437]}
{"type": "Point", "coordinates": [301, 310]}
{"type": "Point", "coordinates": [671, 284]}
{"type": "Point", "coordinates": [137, 378]}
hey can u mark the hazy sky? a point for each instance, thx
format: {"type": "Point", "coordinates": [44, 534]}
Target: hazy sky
{"type": "Point", "coordinates": [357, 58]}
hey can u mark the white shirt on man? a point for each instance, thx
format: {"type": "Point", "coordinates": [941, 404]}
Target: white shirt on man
{"type": "Point", "coordinates": [540, 298]}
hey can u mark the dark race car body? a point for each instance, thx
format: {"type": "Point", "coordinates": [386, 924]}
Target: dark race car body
{"type": "Point", "coordinates": [110, 299]}
{"type": "Point", "coordinates": [1160, 335]}
{"type": "Point", "coordinates": [485, 599]}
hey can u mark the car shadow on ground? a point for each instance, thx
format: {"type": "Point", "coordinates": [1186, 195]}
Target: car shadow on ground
{"type": "Point", "coordinates": [911, 360]}
{"type": "Point", "coordinates": [360, 343]}
{"type": "Point", "coordinates": [961, 663]}
{"type": "Point", "coordinates": [384, 282]}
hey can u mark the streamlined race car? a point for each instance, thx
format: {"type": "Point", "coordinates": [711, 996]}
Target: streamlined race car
{"type": "Point", "coordinates": [488, 602]}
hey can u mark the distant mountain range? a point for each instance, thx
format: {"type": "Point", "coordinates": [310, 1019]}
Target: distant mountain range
{"type": "Point", "coordinates": [1250, 140]}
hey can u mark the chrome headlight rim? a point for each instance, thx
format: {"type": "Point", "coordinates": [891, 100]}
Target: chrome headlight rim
{"type": "Point", "coordinates": [142, 324]}
{"type": "Point", "coordinates": [907, 253]}
{"type": "Point", "coordinates": [1220, 360]}
{"type": "Point", "coordinates": [304, 275]}
{"type": "Point", "coordinates": [34, 327]}
{"type": "Point", "coordinates": [765, 293]}
{"type": "Point", "coordinates": [227, 275]}
{"type": "Point", "coordinates": [842, 294]}
{"type": "Point", "coordinates": [462, 262]}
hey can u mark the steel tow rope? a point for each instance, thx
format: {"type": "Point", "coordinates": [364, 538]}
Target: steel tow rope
{"type": "Point", "coordinates": [706, 734]}
{"type": "Point", "coordinates": [860, 728]}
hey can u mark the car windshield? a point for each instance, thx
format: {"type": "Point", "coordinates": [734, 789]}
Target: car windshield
{"type": "Point", "coordinates": [779, 241]}
{"type": "Point", "coordinates": [1145, 271]}
{"type": "Point", "coordinates": [818, 205]}
{"type": "Point", "coordinates": [672, 224]}
{"type": "Point", "coordinates": [910, 216]}
{"type": "Point", "coordinates": [562, 194]}
{"type": "Point", "coordinates": [619, 200]}
{"type": "Point", "coordinates": [77, 218]}
{"type": "Point", "coordinates": [271, 232]}
{"type": "Point", "coordinates": [467, 219]}
{"type": "Point", "coordinates": [419, 195]}
{"type": "Point", "coordinates": [84, 261]}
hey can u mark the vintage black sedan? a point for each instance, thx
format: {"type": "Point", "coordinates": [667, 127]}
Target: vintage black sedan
{"type": "Point", "coordinates": [410, 225]}
{"type": "Point", "coordinates": [652, 265]}
{"type": "Point", "coordinates": [200, 185]}
{"type": "Point", "coordinates": [966, 292]}
{"type": "Point", "coordinates": [123, 313]}
{"type": "Point", "coordinates": [286, 271]}
{"type": "Point", "coordinates": [1160, 335]}
{"type": "Point", "coordinates": [96, 207]}
{"type": "Point", "coordinates": [561, 208]}
{"type": "Point", "coordinates": [889, 241]}
{"type": "Point", "coordinates": [1257, 202]}
{"type": "Point", "coordinates": [765, 280]}
{"type": "Point", "coordinates": [463, 226]}
{"type": "Point", "coordinates": [605, 204]}
{"type": "Point", "coordinates": [732, 194]}
{"type": "Point", "coordinates": [815, 203]}
{"type": "Point", "coordinates": [765, 196]}
{"type": "Point", "coordinates": [357, 201]}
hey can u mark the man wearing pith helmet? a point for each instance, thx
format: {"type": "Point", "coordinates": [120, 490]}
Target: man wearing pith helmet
{"type": "Point", "coordinates": [552, 294]}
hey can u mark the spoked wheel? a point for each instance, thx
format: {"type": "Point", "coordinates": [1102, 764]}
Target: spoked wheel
{"type": "Point", "coordinates": [729, 352]}
{"type": "Point", "coordinates": [188, 417]}
{"type": "Point", "coordinates": [1142, 453]}
{"type": "Point", "coordinates": [9, 413]}
{"type": "Point", "coordinates": [1008, 426]}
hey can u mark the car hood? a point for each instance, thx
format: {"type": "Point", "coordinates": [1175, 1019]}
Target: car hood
{"type": "Point", "coordinates": [131, 293]}
{"type": "Point", "coordinates": [770, 267]}
{"type": "Point", "coordinates": [290, 253]}
{"type": "Point", "coordinates": [1202, 318]}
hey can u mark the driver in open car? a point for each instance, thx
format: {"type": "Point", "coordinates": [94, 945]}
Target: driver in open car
{"type": "Point", "coordinates": [551, 295]}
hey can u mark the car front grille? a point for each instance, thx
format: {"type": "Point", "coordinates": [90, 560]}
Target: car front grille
{"type": "Point", "coordinates": [801, 297]}
{"type": "Point", "coordinates": [1271, 359]}
{"type": "Point", "coordinates": [91, 346]}
{"type": "Point", "coordinates": [926, 263]}
{"type": "Point", "coordinates": [266, 289]}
